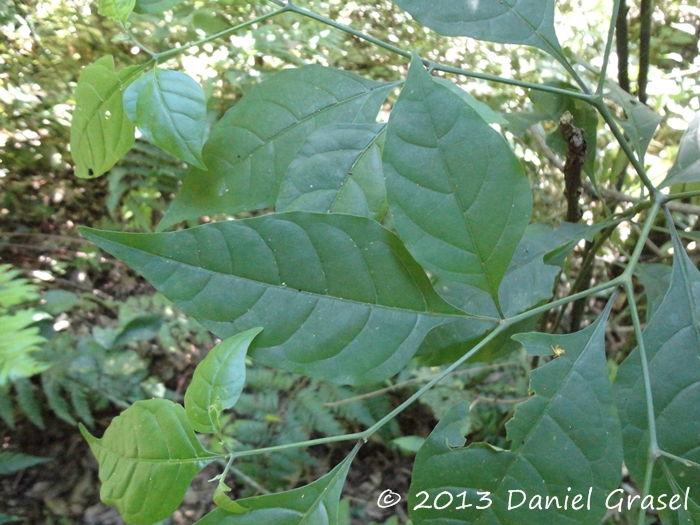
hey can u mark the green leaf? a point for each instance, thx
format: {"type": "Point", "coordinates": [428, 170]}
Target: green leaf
{"type": "Point", "coordinates": [566, 436]}
{"type": "Point", "coordinates": [100, 132]}
{"type": "Point", "coordinates": [458, 195]}
{"type": "Point", "coordinates": [6, 410]}
{"type": "Point", "coordinates": [218, 381]}
{"type": "Point", "coordinates": [224, 502]}
{"type": "Point", "coordinates": [148, 457]}
{"type": "Point", "coordinates": [27, 401]}
{"type": "Point", "coordinates": [686, 167]}
{"type": "Point", "coordinates": [486, 113]}
{"type": "Point", "coordinates": [58, 301]}
{"type": "Point", "coordinates": [337, 170]}
{"type": "Point", "coordinates": [170, 111]}
{"type": "Point", "coordinates": [313, 504]}
{"type": "Point", "coordinates": [11, 462]}
{"type": "Point", "coordinates": [656, 279]}
{"type": "Point", "coordinates": [339, 296]}
{"type": "Point", "coordinates": [118, 10]}
{"type": "Point", "coordinates": [54, 397]}
{"type": "Point", "coordinates": [151, 7]}
{"type": "Point", "coordinates": [251, 147]}
{"type": "Point", "coordinates": [584, 117]}
{"type": "Point", "coordinates": [641, 121]}
{"type": "Point", "coordinates": [19, 340]}
{"type": "Point", "coordinates": [672, 345]}
{"type": "Point", "coordinates": [528, 22]}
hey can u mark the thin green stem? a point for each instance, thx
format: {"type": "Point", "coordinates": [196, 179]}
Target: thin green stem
{"type": "Point", "coordinates": [629, 271]}
{"type": "Point", "coordinates": [682, 195]}
{"type": "Point", "coordinates": [686, 462]}
{"type": "Point", "coordinates": [173, 52]}
{"type": "Point", "coordinates": [608, 48]}
{"type": "Point", "coordinates": [135, 40]}
{"type": "Point", "coordinates": [436, 65]}
{"type": "Point", "coordinates": [625, 145]}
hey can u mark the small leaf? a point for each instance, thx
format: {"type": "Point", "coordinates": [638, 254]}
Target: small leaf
{"type": "Point", "coordinates": [170, 111]}
{"type": "Point", "coordinates": [52, 390]}
{"type": "Point", "coordinates": [528, 22]}
{"type": "Point", "coordinates": [672, 346]}
{"type": "Point", "coordinates": [686, 167]}
{"type": "Point", "coordinates": [565, 442]}
{"type": "Point", "coordinates": [141, 328]}
{"type": "Point", "coordinates": [100, 131]}
{"type": "Point", "coordinates": [11, 462]}
{"type": "Point", "coordinates": [339, 296]}
{"type": "Point", "coordinates": [458, 195]}
{"type": "Point", "coordinates": [313, 504]}
{"type": "Point", "coordinates": [154, 6]}
{"type": "Point", "coordinates": [118, 10]}
{"type": "Point", "coordinates": [337, 170]}
{"type": "Point", "coordinates": [218, 380]}
{"type": "Point", "coordinates": [224, 502]}
{"type": "Point", "coordinates": [148, 456]}
{"type": "Point", "coordinates": [641, 121]}
{"type": "Point", "coordinates": [27, 401]}
{"type": "Point", "coordinates": [251, 147]}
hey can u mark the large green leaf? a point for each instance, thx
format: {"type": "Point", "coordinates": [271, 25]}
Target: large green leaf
{"type": "Point", "coordinates": [565, 437]}
{"type": "Point", "coordinates": [313, 504]}
{"type": "Point", "coordinates": [656, 279]}
{"type": "Point", "coordinates": [218, 381]}
{"type": "Point", "coordinates": [337, 170]}
{"type": "Point", "coordinates": [252, 146]}
{"type": "Point", "coordinates": [458, 194]}
{"type": "Point", "coordinates": [641, 121]}
{"type": "Point", "coordinates": [686, 167]}
{"type": "Point", "coordinates": [529, 22]}
{"type": "Point", "coordinates": [100, 132]}
{"type": "Point", "coordinates": [148, 457]}
{"type": "Point", "coordinates": [155, 6]}
{"type": "Point", "coordinates": [339, 296]}
{"type": "Point", "coordinates": [118, 10]}
{"type": "Point", "coordinates": [672, 344]}
{"type": "Point", "coordinates": [170, 111]}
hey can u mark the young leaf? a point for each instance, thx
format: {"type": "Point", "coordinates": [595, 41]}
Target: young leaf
{"type": "Point", "coordinates": [118, 10]}
{"type": "Point", "coordinates": [151, 7]}
{"type": "Point", "coordinates": [337, 170]}
{"type": "Point", "coordinates": [566, 436]}
{"type": "Point", "coordinates": [641, 121]}
{"type": "Point", "coordinates": [313, 504]}
{"type": "Point", "coordinates": [459, 196]}
{"type": "Point", "coordinates": [686, 167]}
{"type": "Point", "coordinates": [170, 111]}
{"type": "Point", "coordinates": [100, 132]}
{"type": "Point", "coordinates": [528, 22]}
{"type": "Point", "coordinates": [339, 296]}
{"type": "Point", "coordinates": [672, 345]}
{"type": "Point", "coordinates": [252, 146]}
{"type": "Point", "coordinates": [148, 456]}
{"type": "Point", "coordinates": [218, 381]}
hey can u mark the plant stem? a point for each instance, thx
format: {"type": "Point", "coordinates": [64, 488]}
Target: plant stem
{"type": "Point", "coordinates": [172, 52]}
{"type": "Point", "coordinates": [608, 47]}
{"type": "Point", "coordinates": [135, 41]}
{"type": "Point", "coordinates": [622, 46]}
{"type": "Point", "coordinates": [682, 195]}
{"type": "Point", "coordinates": [436, 65]}
{"type": "Point", "coordinates": [686, 462]}
{"type": "Point", "coordinates": [646, 9]}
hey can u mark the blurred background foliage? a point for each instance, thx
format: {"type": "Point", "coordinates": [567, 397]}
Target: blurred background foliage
{"type": "Point", "coordinates": [91, 337]}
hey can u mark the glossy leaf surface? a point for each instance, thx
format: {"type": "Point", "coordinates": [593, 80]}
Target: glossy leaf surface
{"type": "Point", "coordinates": [148, 456]}
{"type": "Point", "coordinates": [529, 22]}
{"type": "Point", "coordinates": [672, 344]}
{"type": "Point", "coordinates": [686, 167]}
{"type": "Point", "coordinates": [313, 504]}
{"type": "Point", "coordinates": [337, 170]}
{"type": "Point", "coordinates": [218, 381]}
{"type": "Point", "coordinates": [567, 435]}
{"type": "Point", "coordinates": [339, 296]}
{"type": "Point", "coordinates": [457, 193]}
{"type": "Point", "coordinates": [100, 132]}
{"type": "Point", "coordinates": [169, 109]}
{"type": "Point", "coordinates": [251, 147]}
